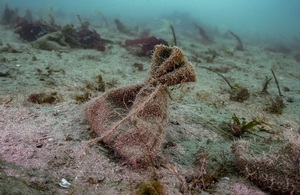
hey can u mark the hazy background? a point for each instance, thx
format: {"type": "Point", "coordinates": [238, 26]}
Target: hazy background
{"type": "Point", "coordinates": [266, 19]}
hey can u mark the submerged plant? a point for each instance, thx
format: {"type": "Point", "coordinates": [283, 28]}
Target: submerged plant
{"type": "Point", "coordinates": [276, 105]}
{"type": "Point", "coordinates": [173, 32]}
{"type": "Point", "coordinates": [237, 92]}
{"type": "Point", "coordinates": [44, 98]}
{"type": "Point", "coordinates": [151, 187]}
{"type": "Point", "coordinates": [239, 45]}
{"type": "Point", "coordinates": [239, 127]}
{"type": "Point", "coordinates": [205, 38]}
{"type": "Point", "coordinates": [9, 16]}
{"type": "Point", "coordinates": [145, 45]}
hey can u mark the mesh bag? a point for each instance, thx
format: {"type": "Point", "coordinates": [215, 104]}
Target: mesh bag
{"type": "Point", "coordinates": [131, 120]}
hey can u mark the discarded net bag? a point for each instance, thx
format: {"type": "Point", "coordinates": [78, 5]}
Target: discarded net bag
{"type": "Point", "coordinates": [131, 120]}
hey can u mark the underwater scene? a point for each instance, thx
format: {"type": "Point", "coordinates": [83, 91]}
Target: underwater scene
{"type": "Point", "coordinates": [150, 97]}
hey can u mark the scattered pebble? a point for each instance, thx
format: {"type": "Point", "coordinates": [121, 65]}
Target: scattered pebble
{"type": "Point", "coordinates": [64, 183]}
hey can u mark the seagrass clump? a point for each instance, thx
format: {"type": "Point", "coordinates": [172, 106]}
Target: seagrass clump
{"type": "Point", "coordinates": [131, 120]}
{"type": "Point", "coordinates": [276, 169]}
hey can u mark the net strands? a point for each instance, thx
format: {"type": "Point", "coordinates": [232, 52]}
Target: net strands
{"type": "Point", "coordinates": [131, 120]}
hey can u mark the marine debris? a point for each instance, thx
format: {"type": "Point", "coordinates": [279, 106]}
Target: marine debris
{"type": "Point", "coordinates": [239, 45]}
{"type": "Point", "coordinates": [275, 168]}
{"type": "Point", "coordinates": [131, 120]}
{"type": "Point", "coordinates": [145, 45]}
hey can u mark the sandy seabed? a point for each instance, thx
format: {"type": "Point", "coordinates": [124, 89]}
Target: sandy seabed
{"type": "Point", "coordinates": [40, 144]}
